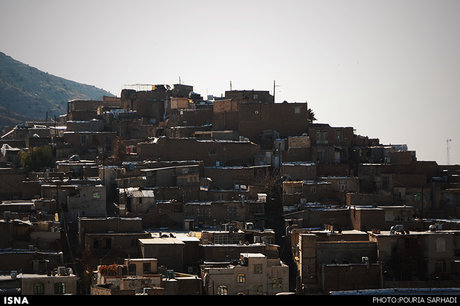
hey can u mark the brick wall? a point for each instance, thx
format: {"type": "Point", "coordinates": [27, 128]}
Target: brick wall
{"type": "Point", "coordinates": [227, 177]}
{"type": "Point", "coordinates": [288, 119]}
{"type": "Point", "coordinates": [226, 152]}
{"type": "Point", "coordinates": [367, 218]}
{"type": "Point", "coordinates": [299, 171]}
{"type": "Point", "coordinates": [357, 276]}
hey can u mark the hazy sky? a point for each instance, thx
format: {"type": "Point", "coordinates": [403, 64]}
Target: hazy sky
{"type": "Point", "coordinates": [390, 69]}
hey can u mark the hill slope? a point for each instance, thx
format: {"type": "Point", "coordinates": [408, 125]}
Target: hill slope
{"type": "Point", "coordinates": [27, 93]}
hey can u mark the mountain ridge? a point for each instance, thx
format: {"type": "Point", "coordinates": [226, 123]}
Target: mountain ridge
{"type": "Point", "coordinates": [27, 93]}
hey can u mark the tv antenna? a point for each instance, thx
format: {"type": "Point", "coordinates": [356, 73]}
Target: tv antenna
{"type": "Point", "coordinates": [448, 150]}
{"type": "Point", "coordinates": [274, 89]}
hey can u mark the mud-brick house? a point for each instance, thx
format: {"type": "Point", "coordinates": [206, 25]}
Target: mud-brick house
{"type": "Point", "coordinates": [252, 112]}
{"type": "Point", "coordinates": [155, 213]}
{"type": "Point", "coordinates": [382, 217]}
{"type": "Point", "coordinates": [60, 282]}
{"type": "Point", "coordinates": [341, 185]}
{"type": "Point", "coordinates": [322, 265]}
{"type": "Point", "coordinates": [149, 104]}
{"type": "Point", "coordinates": [11, 183]}
{"type": "Point", "coordinates": [110, 239]}
{"type": "Point", "coordinates": [305, 191]}
{"type": "Point", "coordinates": [315, 215]}
{"type": "Point", "coordinates": [330, 145]}
{"type": "Point", "coordinates": [287, 119]}
{"type": "Point", "coordinates": [237, 233]}
{"type": "Point", "coordinates": [254, 274]}
{"type": "Point", "coordinates": [410, 184]}
{"type": "Point", "coordinates": [358, 198]}
{"type": "Point", "coordinates": [295, 149]}
{"type": "Point", "coordinates": [168, 249]}
{"type": "Point", "coordinates": [136, 200]}
{"type": "Point", "coordinates": [129, 278]}
{"type": "Point", "coordinates": [215, 213]}
{"type": "Point", "coordinates": [185, 177]}
{"type": "Point", "coordinates": [30, 284]}
{"type": "Point", "coordinates": [297, 171]}
{"type": "Point", "coordinates": [233, 177]}
{"type": "Point", "coordinates": [76, 168]}
{"type": "Point", "coordinates": [78, 198]}
{"type": "Point", "coordinates": [30, 260]}
{"type": "Point", "coordinates": [90, 144]}
{"type": "Point", "coordinates": [82, 110]}
{"type": "Point", "coordinates": [143, 276]}
{"type": "Point", "coordinates": [367, 218]}
{"type": "Point", "coordinates": [88, 200]}
{"type": "Point", "coordinates": [417, 256]}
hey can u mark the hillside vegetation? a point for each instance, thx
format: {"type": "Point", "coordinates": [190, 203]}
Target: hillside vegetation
{"type": "Point", "coordinates": [27, 93]}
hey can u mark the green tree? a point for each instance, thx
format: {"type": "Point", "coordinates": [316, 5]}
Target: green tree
{"type": "Point", "coordinates": [311, 116]}
{"type": "Point", "coordinates": [37, 158]}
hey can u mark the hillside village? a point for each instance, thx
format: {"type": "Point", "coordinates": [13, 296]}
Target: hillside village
{"type": "Point", "coordinates": [162, 191]}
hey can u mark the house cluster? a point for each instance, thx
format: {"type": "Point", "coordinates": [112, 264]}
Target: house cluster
{"type": "Point", "coordinates": [163, 192]}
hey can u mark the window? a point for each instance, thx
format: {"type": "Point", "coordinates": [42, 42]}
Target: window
{"type": "Point", "coordinates": [321, 137]}
{"type": "Point", "coordinates": [258, 269]}
{"type": "Point", "coordinates": [132, 269]}
{"type": "Point", "coordinates": [231, 213]}
{"type": "Point", "coordinates": [222, 290]}
{"type": "Point", "coordinates": [440, 245]}
{"type": "Point", "coordinates": [241, 278]}
{"type": "Point", "coordinates": [297, 110]}
{"type": "Point", "coordinates": [277, 283]}
{"type": "Point", "coordinates": [320, 155]}
{"type": "Point", "coordinates": [440, 266]}
{"type": "Point", "coordinates": [108, 143]}
{"type": "Point", "coordinates": [339, 135]}
{"type": "Point", "coordinates": [108, 243]}
{"type": "Point", "coordinates": [385, 182]}
{"type": "Point", "coordinates": [39, 288]}
{"type": "Point", "coordinates": [59, 288]}
{"type": "Point", "coordinates": [337, 157]}
{"type": "Point", "coordinates": [258, 289]}
{"type": "Point", "coordinates": [147, 267]}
